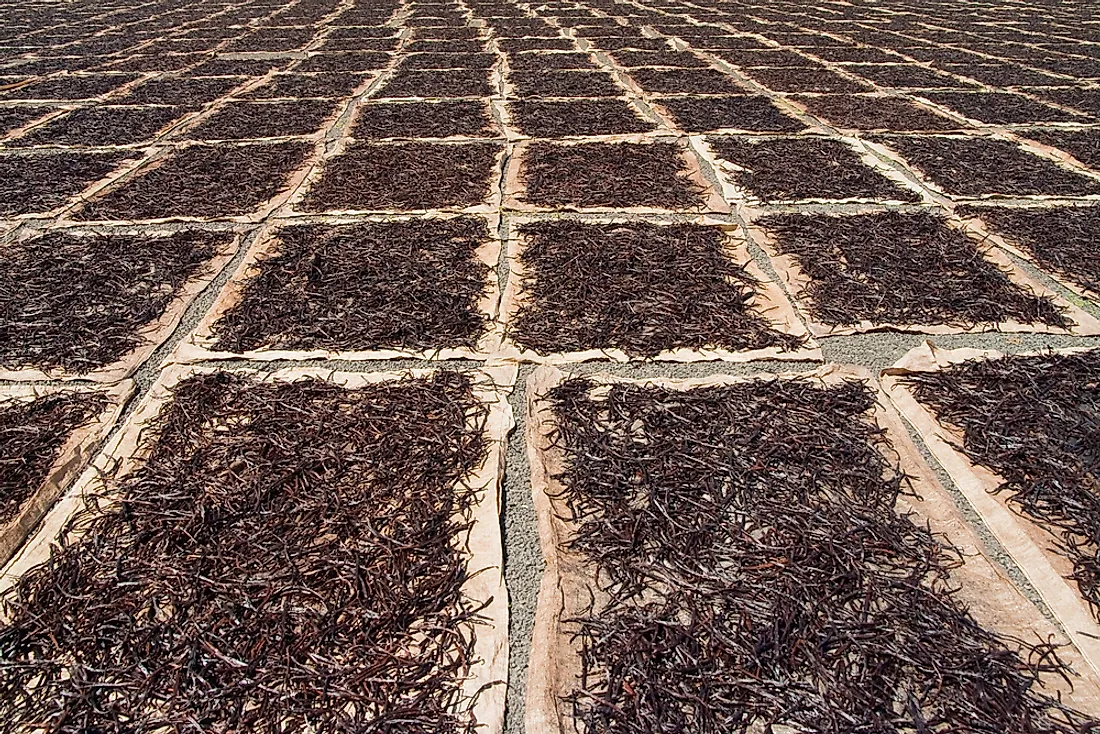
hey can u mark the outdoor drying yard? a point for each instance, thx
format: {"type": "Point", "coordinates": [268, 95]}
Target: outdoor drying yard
{"type": "Point", "coordinates": [565, 367]}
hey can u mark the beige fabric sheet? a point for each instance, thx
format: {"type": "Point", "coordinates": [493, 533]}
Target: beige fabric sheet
{"type": "Point", "coordinates": [566, 585]}
{"type": "Point", "coordinates": [736, 194]}
{"type": "Point", "coordinates": [199, 344]}
{"type": "Point", "coordinates": [151, 336]}
{"type": "Point", "coordinates": [769, 301]}
{"type": "Point", "coordinates": [483, 544]}
{"type": "Point", "coordinates": [291, 185]}
{"type": "Point", "coordinates": [514, 187]}
{"type": "Point", "coordinates": [797, 282]}
{"type": "Point", "coordinates": [490, 205]}
{"type": "Point", "coordinates": [1029, 544]}
{"type": "Point", "coordinates": [74, 455]}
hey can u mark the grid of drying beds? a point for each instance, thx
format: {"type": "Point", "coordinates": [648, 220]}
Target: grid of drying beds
{"type": "Point", "coordinates": [95, 303]}
{"type": "Point", "coordinates": [328, 156]}
{"type": "Point", "coordinates": [443, 107]}
{"type": "Point", "coordinates": [308, 549]}
{"type": "Point", "coordinates": [305, 549]}
{"type": "Point", "coordinates": [443, 120]}
{"type": "Point", "coordinates": [511, 231]}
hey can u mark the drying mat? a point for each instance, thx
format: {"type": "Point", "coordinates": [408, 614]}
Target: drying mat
{"type": "Point", "coordinates": [45, 117]}
{"type": "Point", "coordinates": [339, 107]}
{"type": "Point", "coordinates": [938, 192]}
{"type": "Point", "coordinates": [120, 171]}
{"type": "Point", "coordinates": [710, 199]}
{"type": "Point", "coordinates": [734, 193]}
{"type": "Point", "coordinates": [316, 170]}
{"type": "Point", "coordinates": [101, 98]}
{"type": "Point", "coordinates": [1026, 541]}
{"type": "Point", "coordinates": [152, 335]}
{"type": "Point", "coordinates": [796, 281]}
{"type": "Point", "coordinates": [199, 345]}
{"type": "Point", "coordinates": [564, 591]}
{"type": "Point", "coordinates": [377, 94]}
{"type": "Point", "coordinates": [482, 545]}
{"type": "Point", "coordinates": [74, 455]}
{"type": "Point", "coordinates": [1049, 151]}
{"type": "Point", "coordinates": [769, 301]}
{"type": "Point", "coordinates": [161, 155]}
{"type": "Point", "coordinates": [138, 148]}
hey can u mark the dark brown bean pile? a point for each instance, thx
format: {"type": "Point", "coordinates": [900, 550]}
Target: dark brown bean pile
{"type": "Point", "coordinates": [451, 83]}
{"type": "Point", "coordinates": [405, 176]}
{"type": "Point", "coordinates": [795, 79]}
{"type": "Point", "coordinates": [13, 118]}
{"type": "Point", "coordinates": [71, 87]}
{"type": "Point", "coordinates": [999, 107]}
{"type": "Point", "coordinates": [242, 120]}
{"type": "Point", "coordinates": [203, 181]}
{"type": "Point", "coordinates": [1035, 421]}
{"type": "Point", "coordinates": [685, 81]}
{"type": "Point", "coordinates": [895, 268]}
{"type": "Point", "coordinates": [406, 285]}
{"type": "Point", "coordinates": [183, 91]}
{"type": "Point", "coordinates": [40, 182]}
{"type": "Point", "coordinates": [32, 434]}
{"type": "Point", "coordinates": [286, 560]}
{"type": "Point", "coordinates": [238, 67]}
{"type": "Point", "coordinates": [564, 84]}
{"type": "Point", "coordinates": [875, 113]}
{"type": "Point", "coordinates": [1062, 240]}
{"type": "Point", "coordinates": [326, 85]}
{"type": "Point", "coordinates": [977, 166]}
{"type": "Point", "coordinates": [788, 169]}
{"type": "Point", "coordinates": [740, 112]}
{"type": "Point", "coordinates": [906, 76]}
{"type": "Point", "coordinates": [638, 287]}
{"type": "Point", "coordinates": [754, 575]}
{"type": "Point", "coordinates": [540, 61]}
{"type": "Point", "coordinates": [608, 175]}
{"type": "Point", "coordinates": [345, 61]}
{"type": "Point", "coordinates": [555, 119]}
{"type": "Point", "coordinates": [411, 120]}
{"type": "Point", "coordinates": [103, 126]}
{"type": "Point", "coordinates": [77, 303]}
{"type": "Point", "coordinates": [1084, 145]}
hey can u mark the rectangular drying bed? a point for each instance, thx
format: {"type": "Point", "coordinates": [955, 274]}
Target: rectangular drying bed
{"type": "Point", "coordinates": [743, 553]}
{"type": "Point", "coordinates": [270, 551]}
{"type": "Point", "coordinates": [1018, 435]}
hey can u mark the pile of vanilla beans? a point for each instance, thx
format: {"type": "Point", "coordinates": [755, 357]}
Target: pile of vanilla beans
{"type": "Point", "coordinates": [750, 572]}
{"type": "Point", "coordinates": [287, 559]}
